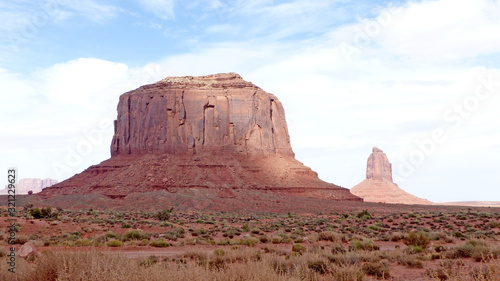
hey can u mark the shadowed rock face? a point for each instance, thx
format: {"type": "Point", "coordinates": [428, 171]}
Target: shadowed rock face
{"type": "Point", "coordinates": [207, 138]}
{"type": "Point", "coordinates": [186, 115]}
{"type": "Point", "coordinates": [378, 185]}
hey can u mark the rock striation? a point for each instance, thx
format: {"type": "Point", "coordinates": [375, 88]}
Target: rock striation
{"type": "Point", "coordinates": [207, 138]}
{"type": "Point", "coordinates": [23, 186]}
{"type": "Point", "coordinates": [379, 186]}
{"type": "Point", "coordinates": [180, 115]}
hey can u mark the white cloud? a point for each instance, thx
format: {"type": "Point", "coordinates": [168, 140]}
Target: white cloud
{"type": "Point", "coordinates": [52, 111]}
{"type": "Point", "coordinates": [443, 30]}
{"type": "Point", "coordinates": [161, 8]}
{"type": "Point", "coordinates": [80, 82]}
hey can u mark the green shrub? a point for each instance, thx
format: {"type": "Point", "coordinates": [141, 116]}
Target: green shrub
{"type": "Point", "coordinates": [458, 234]}
{"type": "Point", "coordinates": [164, 215]}
{"type": "Point", "coordinates": [114, 243]}
{"type": "Point", "coordinates": [249, 242]}
{"type": "Point", "coordinates": [36, 213]}
{"type": "Point", "coordinates": [160, 243]}
{"type": "Point", "coordinates": [298, 248]}
{"type": "Point", "coordinates": [364, 215]}
{"type": "Point", "coordinates": [366, 245]}
{"type": "Point", "coordinates": [83, 242]}
{"type": "Point", "coordinates": [111, 235]}
{"type": "Point", "coordinates": [46, 212]}
{"type": "Point", "coordinates": [135, 234]}
{"type": "Point", "coordinates": [276, 240]}
{"type": "Point", "coordinates": [414, 249]}
{"type": "Point", "coordinates": [417, 239]}
{"type": "Point", "coordinates": [255, 230]}
{"type": "Point", "coordinates": [476, 249]}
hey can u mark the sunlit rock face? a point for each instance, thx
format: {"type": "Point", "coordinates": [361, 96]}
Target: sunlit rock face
{"type": "Point", "coordinates": [378, 185]}
{"type": "Point", "coordinates": [181, 115]}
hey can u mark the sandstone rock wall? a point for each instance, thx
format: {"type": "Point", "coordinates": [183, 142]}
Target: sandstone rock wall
{"type": "Point", "coordinates": [191, 114]}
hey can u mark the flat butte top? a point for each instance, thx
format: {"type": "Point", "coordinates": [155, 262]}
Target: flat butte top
{"type": "Point", "coordinates": [219, 81]}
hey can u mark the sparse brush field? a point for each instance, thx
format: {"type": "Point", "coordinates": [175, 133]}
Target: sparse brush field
{"type": "Point", "coordinates": [175, 245]}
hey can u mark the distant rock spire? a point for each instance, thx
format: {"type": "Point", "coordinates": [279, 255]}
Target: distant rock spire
{"type": "Point", "coordinates": [378, 185]}
{"type": "Point", "coordinates": [378, 166]}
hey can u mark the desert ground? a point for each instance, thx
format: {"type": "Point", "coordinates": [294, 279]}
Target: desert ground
{"type": "Point", "coordinates": [376, 241]}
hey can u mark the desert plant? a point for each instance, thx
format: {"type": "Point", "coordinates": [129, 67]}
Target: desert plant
{"type": "Point", "coordinates": [298, 248]}
{"type": "Point", "coordinates": [329, 236]}
{"type": "Point", "coordinates": [135, 234]}
{"type": "Point", "coordinates": [164, 215]}
{"type": "Point", "coordinates": [417, 239]}
{"type": "Point", "coordinates": [365, 244]}
{"type": "Point", "coordinates": [160, 243]}
{"type": "Point", "coordinates": [36, 213]}
{"type": "Point", "coordinates": [114, 243]}
{"type": "Point", "coordinates": [219, 252]}
{"type": "Point", "coordinates": [364, 215]}
{"type": "Point", "coordinates": [377, 269]}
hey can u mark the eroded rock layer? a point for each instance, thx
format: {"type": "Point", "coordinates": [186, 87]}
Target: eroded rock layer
{"type": "Point", "coordinates": [215, 134]}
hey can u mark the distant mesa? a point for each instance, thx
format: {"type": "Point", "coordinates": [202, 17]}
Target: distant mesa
{"type": "Point", "coordinates": [378, 186]}
{"type": "Point", "coordinates": [23, 186]}
{"type": "Point", "coordinates": [200, 140]}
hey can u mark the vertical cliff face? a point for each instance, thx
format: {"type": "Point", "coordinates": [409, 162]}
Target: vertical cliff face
{"type": "Point", "coordinates": [378, 166]}
{"type": "Point", "coordinates": [187, 115]}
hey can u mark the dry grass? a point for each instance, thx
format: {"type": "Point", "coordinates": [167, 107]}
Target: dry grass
{"type": "Point", "coordinates": [267, 247]}
{"type": "Point", "coordinates": [245, 264]}
{"type": "Point", "coordinates": [457, 271]}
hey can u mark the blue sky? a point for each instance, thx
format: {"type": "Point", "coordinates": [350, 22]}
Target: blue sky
{"type": "Point", "coordinates": [418, 79]}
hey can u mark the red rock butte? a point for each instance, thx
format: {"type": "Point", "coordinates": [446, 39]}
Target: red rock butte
{"type": "Point", "coordinates": [207, 138]}
{"type": "Point", "coordinates": [378, 186]}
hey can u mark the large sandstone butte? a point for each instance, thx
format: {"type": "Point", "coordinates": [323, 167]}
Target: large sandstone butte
{"type": "Point", "coordinates": [378, 185]}
{"type": "Point", "coordinates": [202, 141]}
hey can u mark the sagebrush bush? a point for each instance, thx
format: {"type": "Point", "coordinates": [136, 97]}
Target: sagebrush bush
{"type": "Point", "coordinates": [114, 243]}
{"type": "Point", "coordinates": [417, 239]}
{"type": "Point", "coordinates": [160, 243]}
{"type": "Point", "coordinates": [135, 234]}
{"type": "Point", "coordinates": [365, 244]}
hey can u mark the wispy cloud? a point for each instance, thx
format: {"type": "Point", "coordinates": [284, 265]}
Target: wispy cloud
{"type": "Point", "coordinates": [164, 9]}
{"type": "Point", "coordinates": [92, 10]}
